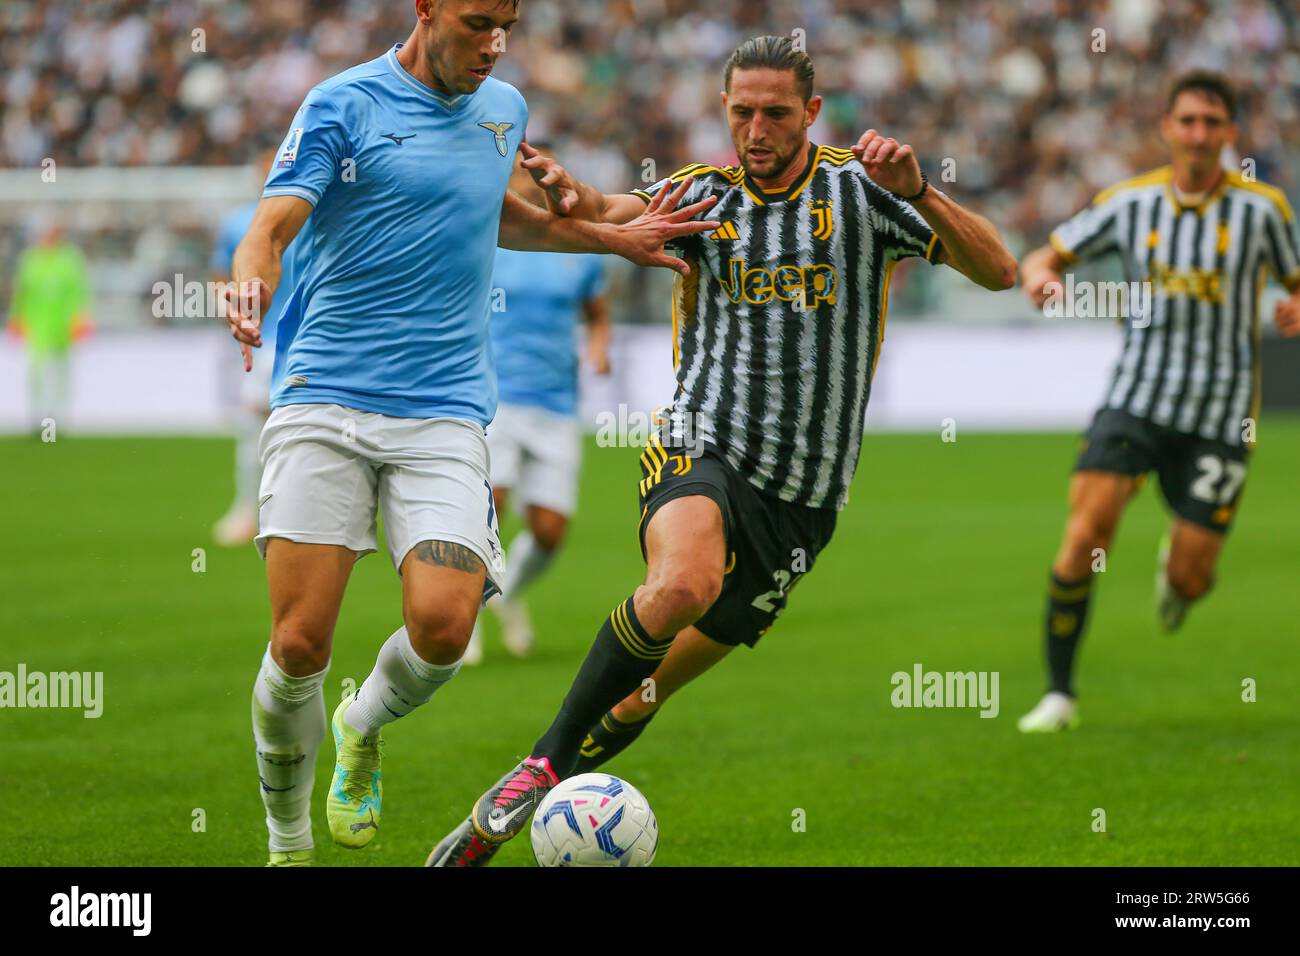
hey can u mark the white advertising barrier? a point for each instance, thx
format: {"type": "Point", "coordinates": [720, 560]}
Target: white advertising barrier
{"type": "Point", "coordinates": [1039, 376]}
{"type": "Point", "coordinates": [1024, 377]}
{"type": "Point", "coordinates": [169, 381]}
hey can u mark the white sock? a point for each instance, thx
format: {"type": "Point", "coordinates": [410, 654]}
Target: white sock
{"type": "Point", "coordinates": [525, 561]}
{"type": "Point", "coordinates": [400, 682]}
{"type": "Point", "coordinates": [474, 649]}
{"type": "Point", "coordinates": [288, 726]}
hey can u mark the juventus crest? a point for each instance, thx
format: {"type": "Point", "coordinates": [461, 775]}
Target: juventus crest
{"type": "Point", "coordinates": [823, 223]}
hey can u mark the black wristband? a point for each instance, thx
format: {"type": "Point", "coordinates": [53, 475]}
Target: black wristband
{"type": "Point", "coordinates": [925, 184]}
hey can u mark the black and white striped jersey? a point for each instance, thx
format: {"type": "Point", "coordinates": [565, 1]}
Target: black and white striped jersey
{"type": "Point", "coordinates": [778, 328]}
{"type": "Point", "coordinates": [1191, 361]}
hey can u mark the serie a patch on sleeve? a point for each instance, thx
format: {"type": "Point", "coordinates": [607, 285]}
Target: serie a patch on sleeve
{"type": "Point", "coordinates": [289, 153]}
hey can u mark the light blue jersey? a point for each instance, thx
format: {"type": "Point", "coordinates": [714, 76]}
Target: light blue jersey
{"type": "Point", "coordinates": [391, 313]}
{"type": "Point", "coordinates": [229, 236]}
{"type": "Point", "coordinates": [534, 330]}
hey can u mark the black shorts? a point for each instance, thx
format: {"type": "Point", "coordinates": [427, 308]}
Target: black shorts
{"type": "Point", "coordinates": [771, 544]}
{"type": "Point", "coordinates": [1200, 478]}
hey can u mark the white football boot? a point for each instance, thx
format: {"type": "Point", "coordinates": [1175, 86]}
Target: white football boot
{"type": "Point", "coordinates": [1056, 711]}
{"type": "Point", "coordinates": [516, 626]}
{"type": "Point", "coordinates": [236, 528]}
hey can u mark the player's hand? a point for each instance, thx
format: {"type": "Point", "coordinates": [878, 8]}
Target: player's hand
{"type": "Point", "coordinates": [1287, 316]}
{"type": "Point", "coordinates": [561, 188]}
{"type": "Point", "coordinates": [1036, 286]}
{"type": "Point", "coordinates": [642, 240]}
{"type": "Point", "coordinates": [244, 305]}
{"type": "Point", "coordinates": [598, 356]}
{"type": "Point", "coordinates": [890, 165]}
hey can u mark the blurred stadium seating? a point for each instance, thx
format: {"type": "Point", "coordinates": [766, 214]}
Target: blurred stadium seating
{"type": "Point", "coordinates": [153, 111]}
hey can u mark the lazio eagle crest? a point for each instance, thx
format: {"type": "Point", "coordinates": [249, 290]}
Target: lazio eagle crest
{"type": "Point", "coordinates": [500, 130]}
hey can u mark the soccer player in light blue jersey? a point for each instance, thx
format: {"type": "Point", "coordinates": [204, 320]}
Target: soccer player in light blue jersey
{"type": "Point", "coordinates": [535, 440]}
{"type": "Point", "coordinates": [239, 524]}
{"type": "Point", "coordinates": [384, 383]}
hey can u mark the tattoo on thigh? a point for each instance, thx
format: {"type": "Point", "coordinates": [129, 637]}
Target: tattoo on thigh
{"type": "Point", "coordinates": [448, 554]}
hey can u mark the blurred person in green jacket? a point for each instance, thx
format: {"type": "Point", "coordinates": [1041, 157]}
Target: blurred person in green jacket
{"type": "Point", "coordinates": [51, 310]}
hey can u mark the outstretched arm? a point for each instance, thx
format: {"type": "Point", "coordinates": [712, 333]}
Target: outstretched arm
{"type": "Point", "coordinates": [255, 270]}
{"type": "Point", "coordinates": [526, 227]}
{"type": "Point", "coordinates": [567, 196]}
{"type": "Point", "coordinates": [18, 305]}
{"type": "Point", "coordinates": [1287, 314]}
{"type": "Point", "coordinates": [1284, 260]}
{"type": "Point", "coordinates": [971, 243]}
{"type": "Point", "coordinates": [596, 312]}
{"type": "Point", "coordinates": [1038, 270]}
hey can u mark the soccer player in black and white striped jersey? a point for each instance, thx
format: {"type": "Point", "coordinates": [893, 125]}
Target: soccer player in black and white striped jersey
{"type": "Point", "coordinates": [777, 330]}
{"type": "Point", "coordinates": [1184, 397]}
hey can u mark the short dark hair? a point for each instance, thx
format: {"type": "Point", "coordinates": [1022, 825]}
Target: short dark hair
{"type": "Point", "coordinates": [1211, 84]}
{"type": "Point", "coordinates": [500, 3]}
{"type": "Point", "coordinates": [773, 53]}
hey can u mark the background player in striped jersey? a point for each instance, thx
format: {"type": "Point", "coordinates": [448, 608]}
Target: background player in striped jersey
{"type": "Point", "coordinates": [535, 440]}
{"type": "Point", "coordinates": [777, 332]}
{"type": "Point", "coordinates": [1184, 395]}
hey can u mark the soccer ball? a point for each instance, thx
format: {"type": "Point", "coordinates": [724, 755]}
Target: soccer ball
{"type": "Point", "coordinates": [594, 819]}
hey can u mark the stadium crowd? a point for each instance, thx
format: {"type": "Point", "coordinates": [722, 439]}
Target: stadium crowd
{"type": "Point", "coordinates": [1012, 91]}
{"type": "Point", "coordinates": [1036, 103]}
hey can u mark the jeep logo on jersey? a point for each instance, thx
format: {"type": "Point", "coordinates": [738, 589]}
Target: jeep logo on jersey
{"type": "Point", "coordinates": [1205, 285]}
{"type": "Point", "coordinates": [814, 284]}
{"type": "Point", "coordinates": [500, 130]}
{"type": "Point", "coordinates": [822, 220]}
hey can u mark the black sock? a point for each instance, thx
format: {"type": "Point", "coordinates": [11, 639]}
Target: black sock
{"type": "Point", "coordinates": [607, 739]}
{"type": "Point", "coordinates": [622, 656]}
{"type": "Point", "coordinates": [1067, 613]}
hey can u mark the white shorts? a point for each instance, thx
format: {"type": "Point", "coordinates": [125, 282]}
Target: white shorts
{"type": "Point", "coordinates": [536, 454]}
{"type": "Point", "coordinates": [327, 469]}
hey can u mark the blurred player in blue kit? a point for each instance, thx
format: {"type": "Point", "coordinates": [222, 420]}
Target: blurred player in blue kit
{"type": "Point", "coordinates": [535, 440]}
{"type": "Point", "coordinates": [239, 524]}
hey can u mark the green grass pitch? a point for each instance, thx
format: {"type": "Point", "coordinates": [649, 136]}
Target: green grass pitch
{"type": "Point", "coordinates": [940, 558]}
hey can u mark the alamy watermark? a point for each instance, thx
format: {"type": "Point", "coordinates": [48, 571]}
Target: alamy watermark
{"type": "Point", "coordinates": [179, 299]}
{"type": "Point", "coordinates": [76, 690]}
{"type": "Point", "coordinates": [626, 427]}
{"type": "Point", "coordinates": [1098, 300]}
{"type": "Point", "coordinates": [130, 910]}
{"type": "Point", "coordinates": [922, 688]}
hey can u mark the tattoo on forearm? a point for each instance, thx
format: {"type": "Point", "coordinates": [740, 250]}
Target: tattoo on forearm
{"type": "Point", "coordinates": [448, 554]}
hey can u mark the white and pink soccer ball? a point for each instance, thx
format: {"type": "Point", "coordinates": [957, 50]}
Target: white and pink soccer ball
{"type": "Point", "coordinates": [594, 819]}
